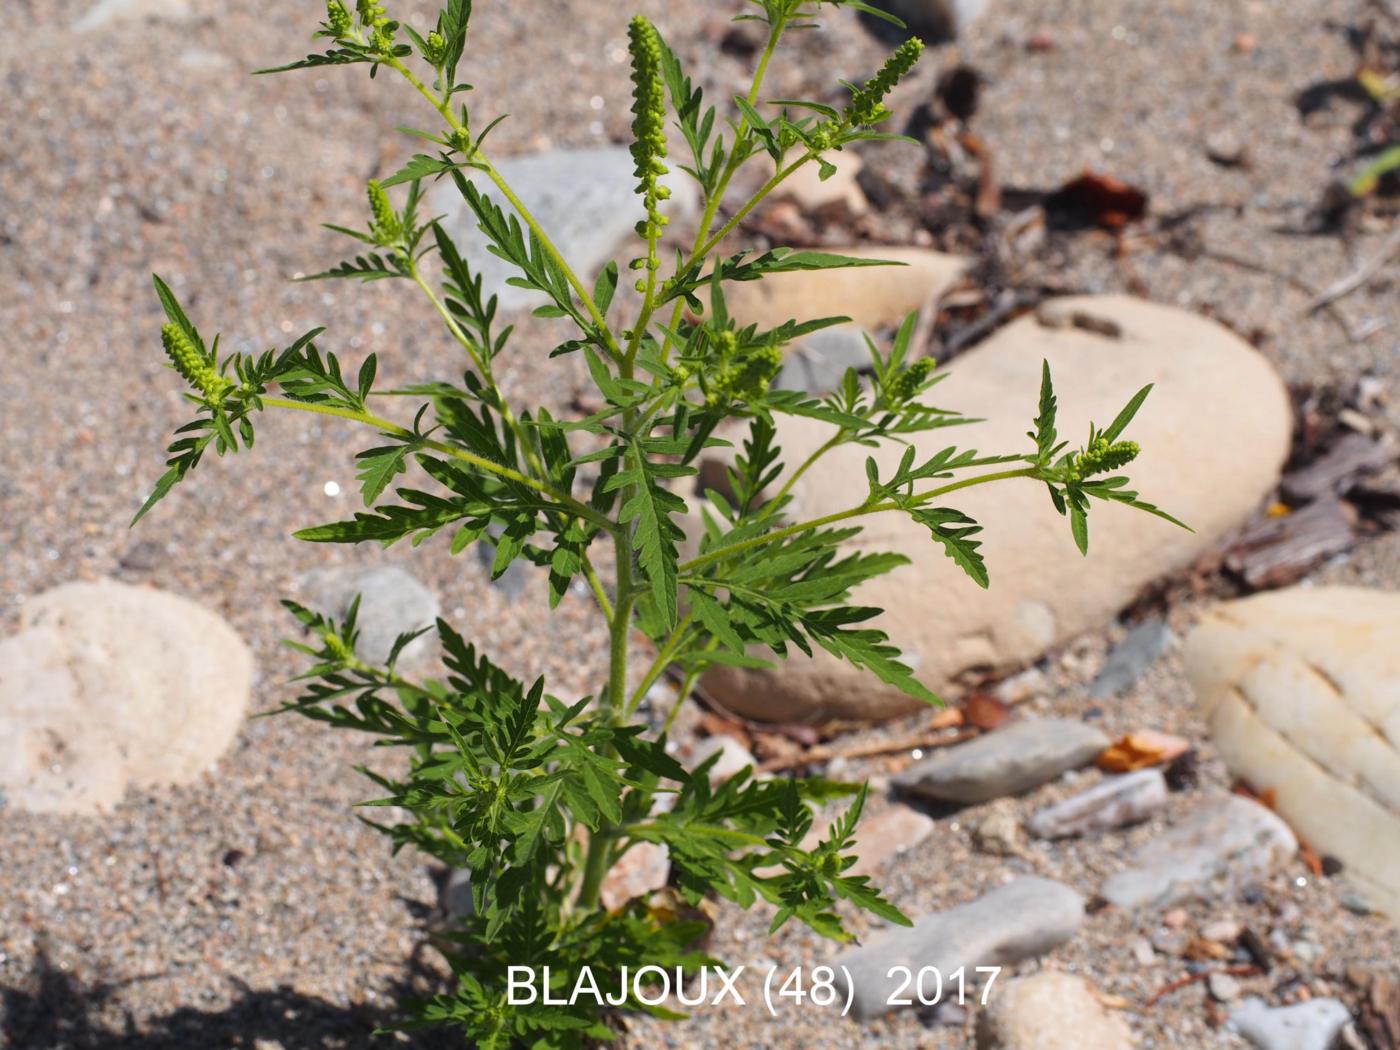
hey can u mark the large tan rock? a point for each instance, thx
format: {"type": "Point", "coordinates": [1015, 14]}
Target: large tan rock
{"type": "Point", "coordinates": [871, 296]}
{"type": "Point", "coordinates": [1301, 689]}
{"type": "Point", "coordinates": [1050, 1011]}
{"type": "Point", "coordinates": [1214, 434]}
{"type": "Point", "coordinates": [109, 685]}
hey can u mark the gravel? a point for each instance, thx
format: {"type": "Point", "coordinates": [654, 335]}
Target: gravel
{"type": "Point", "coordinates": [251, 905]}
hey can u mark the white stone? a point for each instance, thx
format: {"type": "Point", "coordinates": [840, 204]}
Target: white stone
{"type": "Point", "coordinates": [392, 602]}
{"type": "Point", "coordinates": [1214, 432]}
{"type": "Point", "coordinates": [1301, 690]}
{"type": "Point", "coordinates": [1049, 1011]}
{"type": "Point", "coordinates": [108, 685]}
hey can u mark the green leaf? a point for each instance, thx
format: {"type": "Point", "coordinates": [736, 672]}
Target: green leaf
{"type": "Point", "coordinates": [379, 467]}
{"type": "Point", "coordinates": [1125, 417]}
{"type": "Point", "coordinates": [954, 529]}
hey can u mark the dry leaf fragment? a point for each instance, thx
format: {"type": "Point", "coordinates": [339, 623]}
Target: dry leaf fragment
{"type": "Point", "coordinates": [1138, 750]}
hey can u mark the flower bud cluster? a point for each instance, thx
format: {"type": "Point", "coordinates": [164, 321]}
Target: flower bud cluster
{"type": "Point", "coordinates": [386, 229]}
{"type": "Point", "coordinates": [648, 135]}
{"type": "Point", "coordinates": [381, 27]}
{"type": "Point", "coordinates": [194, 367]}
{"type": "Point", "coordinates": [867, 105]}
{"type": "Point", "coordinates": [1101, 456]}
{"type": "Point", "coordinates": [742, 377]}
{"type": "Point", "coordinates": [910, 381]}
{"type": "Point", "coordinates": [338, 18]}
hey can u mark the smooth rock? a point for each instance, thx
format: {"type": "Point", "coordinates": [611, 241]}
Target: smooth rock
{"type": "Point", "coordinates": [806, 188]}
{"type": "Point", "coordinates": [1223, 988]}
{"type": "Point", "coordinates": [109, 685]}
{"type": "Point", "coordinates": [1301, 691]}
{"type": "Point", "coordinates": [1313, 1025]}
{"type": "Point", "coordinates": [585, 198]}
{"type": "Point", "coordinates": [894, 830]}
{"type": "Point", "coordinates": [1140, 648]}
{"type": "Point", "coordinates": [1115, 802]}
{"type": "Point", "coordinates": [936, 20]}
{"type": "Point", "coordinates": [643, 869]}
{"type": "Point", "coordinates": [1008, 761]}
{"type": "Point", "coordinates": [817, 364]}
{"type": "Point", "coordinates": [107, 13]}
{"type": "Point", "coordinates": [1206, 855]}
{"type": "Point", "coordinates": [733, 757]}
{"type": "Point", "coordinates": [1020, 920]}
{"type": "Point", "coordinates": [392, 603]}
{"type": "Point", "coordinates": [873, 297]}
{"type": "Point", "coordinates": [1049, 1011]}
{"type": "Point", "coordinates": [1214, 432]}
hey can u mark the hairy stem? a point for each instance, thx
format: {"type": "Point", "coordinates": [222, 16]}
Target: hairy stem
{"type": "Point", "coordinates": [565, 501]}
{"type": "Point", "coordinates": [845, 515]}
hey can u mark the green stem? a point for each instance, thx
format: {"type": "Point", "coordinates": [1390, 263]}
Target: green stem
{"type": "Point", "coordinates": [846, 515]}
{"type": "Point", "coordinates": [686, 686]}
{"type": "Point", "coordinates": [662, 661]}
{"type": "Point", "coordinates": [807, 464]}
{"type": "Point", "coordinates": [480, 160]}
{"type": "Point", "coordinates": [566, 502]}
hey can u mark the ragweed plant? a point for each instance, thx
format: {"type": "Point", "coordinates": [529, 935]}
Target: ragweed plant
{"type": "Point", "coordinates": [536, 797]}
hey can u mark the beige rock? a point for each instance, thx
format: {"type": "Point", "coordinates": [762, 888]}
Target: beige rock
{"type": "Point", "coordinates": [883, 837]}
{"type": "Point", "coordinates": [1301, 690]}
{"type": "Point", "coordinates": [1214, 432]}
{"type": "Point", "coordinates": [1049, 1011]}
{"type": "Point", "coordinates": [871, 296]}
{"type": "Point", "coordinates": [108, 13]}
{"type": "Point", "coordinates": [109, 685]}
{"type": "Point", "coordinates": [643, 869]}
{"type": "Point", "coordinates": [806, 187]}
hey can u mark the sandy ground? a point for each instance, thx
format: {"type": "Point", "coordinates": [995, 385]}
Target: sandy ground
{"type": "Point", "coordinates": [252, 906]}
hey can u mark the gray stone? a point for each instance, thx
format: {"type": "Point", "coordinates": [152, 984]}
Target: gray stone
{"type": "Point", "coordinates": [107, 13]}
{"type": "Point", "coordinates": [1217, 848]}
{"type": "Point", "coordinates": [455, 894]}
{"type": "Point", "coordinates": [1140, 648]}
{"type": "Point", "coordinates": [512, 581]}
{"type": "Point", "coordinates": [1313, 1025]}
{"type": "Point", "coordinates": [818, 364]}
{"type": "Point", "coordinates": [391, 603]}
{"type": "Point", "coordinates": [1008, 761]}
{"type": "Point", "coordinates": [108, 685]}
{"type": "Point", "coordinates": [1021, 920]}
{"type": "Point", "coordinates": [1049, 1011]}
{"type": "Point", "coordinates": [584, 198]}
{"type": "Point", "coordinates": [1115, 802]}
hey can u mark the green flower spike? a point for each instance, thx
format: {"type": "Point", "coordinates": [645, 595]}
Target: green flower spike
{"type": "Point", "coordinates": [1101, 456]}
{"type": "Point", "coordinates": [649, 136]}
{"type": "Point", "coordinates": [907, 383]}
{"type": "Point", "coordinates": [867, 105]}
{"type": "Point", "coordinates": [386, 229]}
{"type": "Point", "coordinates": [196, 369]}
{"type": "Point", "coordinates": [338, 18]}
{"type": "Point", "coordinates": [435, 50]}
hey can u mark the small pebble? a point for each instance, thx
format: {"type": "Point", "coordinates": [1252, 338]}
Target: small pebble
{"type": "Point", "coordinates": [1223, 987]}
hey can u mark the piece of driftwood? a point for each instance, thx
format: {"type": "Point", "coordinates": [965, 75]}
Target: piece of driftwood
{"type": "Point", "coordinates": [1329, 474]}
{"type": "Point", "coordinates": [1362, 274]}
{"type": "Point", "coordinates": [928, 738]}
{"type": "Point", "coordinates": [1283, 550]}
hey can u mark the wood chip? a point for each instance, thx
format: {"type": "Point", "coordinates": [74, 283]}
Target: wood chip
{"type": "Point", "coordinates": [1281, 551]}
{"type": "Point", "coordinates": [1328, 475]}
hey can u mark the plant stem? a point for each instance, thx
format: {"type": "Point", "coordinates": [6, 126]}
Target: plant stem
{"type": "Point", "coordinates": [662, 661]}
{"type": "Point", "coordinates": [566, 502]}
{"type": "Point", "coordinates": [845, 515]}
{"type": "Point", "coordinates": [479, 160]}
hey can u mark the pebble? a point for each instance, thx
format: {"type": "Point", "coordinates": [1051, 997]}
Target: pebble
{"type": "Point", "coordinates": [1223, 987]}
{"type": "Point", "coordinates": [999, 832]}
{"type": "Point", "coordinates": [883, 837]}
{"type": "Point", "coordinates": [1143, 952]}
{"type": "Point", "coordinates": [1023, 919]}
{"type": "Point", "coordinates": [1114, 802]}
{"type": "Point", "coordinates": [1130, 659]}
{"type": "Point", "coordinates": [644, 868]}
{"type": "Point", "coordinates": [392, 602]}
{"type": "Point", "coordinates": [1050, 1011]}
{"type": "Point", "coordinates": [1009, 761]}
{"type": "Point", "coordinates": [1221, 844]}
{"type": "Point", "coordinates": [108, 13]}
{"type": "Point", "coordinates": [1312, 1025]}
{"type": "Point", "coordinates": [1224, 931]}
